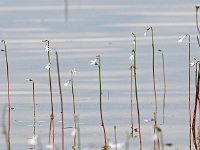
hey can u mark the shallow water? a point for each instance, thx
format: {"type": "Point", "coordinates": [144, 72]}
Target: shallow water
{"type": "Point", "coordinates": [86, 29]}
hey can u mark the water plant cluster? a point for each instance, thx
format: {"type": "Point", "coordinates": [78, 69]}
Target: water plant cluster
{"type": "Point", "coordinates": [158, 141]}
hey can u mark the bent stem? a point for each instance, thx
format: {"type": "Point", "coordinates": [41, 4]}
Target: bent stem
{"type": "Point", "coordinates": [136, 91]}
{"type": "Point", "coordinates": [8, 91]}
{"type": "Point", "coordinates": [100, 100]}
{"type": "Point", "coordinates": [197, 9]}
{"type": "Point", "coordinates": [61, 101]}
{"type": "Point", "coordinates": [4, 128]}
{"type": "Point", "coordinates": [51, 99]}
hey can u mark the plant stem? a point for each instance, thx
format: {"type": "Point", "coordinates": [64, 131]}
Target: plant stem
{"type": "Point", "coordinates": [51, 98]}
{"type": "Point", "coordinates": [100, 99]}
{"type": "Point", "coordinates": [189, 93]}
{"type": "Point", "coordinates": [136, 91]}
{"type": "Point", "coordinates": [8, 92]}
{"type": "Point", "coordinates": [195, 109]}
{"type": "Point", "coordinates": [61, 101]}
{"type": "Point", "coordinates": [74, 107]}
{"type": "Point", "coordinates": [78, 133]}
{"type": "Point", "coordinates": [197, 8]}
{"type": "Point", "coordinates": [131, 68]}
{"type": "Point", "coordinates": [115, 131]}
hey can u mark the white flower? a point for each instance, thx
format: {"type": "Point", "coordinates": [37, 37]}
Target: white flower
{"type": "Point", "coordinates": [145, 33]}
{"type": "Point", "coordinates": [181, 39]}
{"type": "Point", "coordinates": [33, 140]}
{"type": "Point", "coordinates": [133, 43]}
{"type": "Point", "coordinates": [131, 57]}
{"type": "Point", "coordinates": [47, 49]}
{"type": "Point", "coordinates": [114, 146]}
{"type": "Point", "coordinates": [155, 137]}
{"type": "Point", "coordinates": [145, 120]}
{"type": "Point", "coordinates": [93, 62]}
{"type": "Point", "coordinates": [73, 133]}
{"type": "Point", "coordinates": [47, 66]}
{"type": "Point", "coordinates": [74, 71]}
{"type": "Point", "coordinates": [49, 146]}
{"type": "Point", "coordinates": [66, 84]}
{"type": "Point", "coordinates": [192, 64]}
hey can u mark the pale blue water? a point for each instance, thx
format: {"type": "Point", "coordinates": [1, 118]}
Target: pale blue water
{"type": "Point", "coordinates": [92, 28]}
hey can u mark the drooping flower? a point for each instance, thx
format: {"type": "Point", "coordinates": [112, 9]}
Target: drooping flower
{"type": "Point", "coordinates": [67, 83]}
{"type": "Point", "coordinates": [131, 57]}
{"type": "Point", "coordinates": [48, 66]}
{"type": "Point", "coordinates": [194, 62]}
{"type": "Point", "coordinates": [28, 80]}
{"type": "Point", "coordinates": [181, 39]}
{"type": "Point", "coordinates": [73, 133]}
{"type": "Point", "coordinates": [33, 140]}
{"type": "Point", "coordinates": [93, 62]}
{"type": "Point", "coordinates": [145, 33]}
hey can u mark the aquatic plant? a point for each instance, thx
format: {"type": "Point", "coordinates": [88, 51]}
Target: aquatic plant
{"type": "Point", "coordinates": [33, 95]}
{"type": "Point", "coordinates": [8, 91]}
{"type": "Point", "coordinates": [61, 101]}
{"type": "Point", "coordinates": [136, 91]}
{"type": "Point", "coordinates": [189, 101]}
{"type": "Point", "coordinates": [197, 9]}
{"type": "Point", "coordinates": [164, 83]}
{"type": "Point", "coordinates": [97, 61]}
{"type": "Point", "coordinates": [47, 49]}
{"type": "Point", "coordinates": [153, 68]}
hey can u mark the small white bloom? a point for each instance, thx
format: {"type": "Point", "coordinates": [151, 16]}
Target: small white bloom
{"type": "Point", "coordinates": [192, 64]}
{"type": "Point", "coordinates": [28, 79]}
{"type": "Point", "coordinates": [47, 49]}
{"type": "Point", "coordinates": [133, 43]}
{"type": "Point", "coordinates": [181, 39]}
{"type": "Point", "coordinates": [33, 140]}
{"type": "Point", "coordinates": [131, 57]}
{"type": "Point", "coordinates": [114, 146]}
{"type": "Point", "coordinates": [73, 133]}
{"type": "Point", "coordinates": [145, 33]}
{"type": "Point", "coordinates": [145, 120]}
{"type": "Point", "coordinates": [49, 146]}
{"type": "Point", "coordinates": [93, 62]}
{"type": "Point", "coordinates": [47, 66]}
{"type": "Point", "coordinates": [74, 71]}
{"type": "Point", "coordinates": [66, 84]}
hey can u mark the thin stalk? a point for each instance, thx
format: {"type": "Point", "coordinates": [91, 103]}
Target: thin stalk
{"type": "Point", "coordinates": [195, 109]}
{"type": "Point", "coordinates": [136, 92]}
{"type": "Point", "coordinates": [33, 84]}
{"type": "Point", "coordinates": [115, 131]}
{"type": "Point", "coordinates": [51, 98]}
{"type": "Point", "coordinates": [164, 81]}
{"type": "Point", "coordinates": [8, 91]}
{"type": "Point", "coordinates": [61, 101]}
{"type": "Point", "coordinates": [197, 9]}
{"type": "Point", "coordinates": [189, 108]}
{"type": "Point", "coordinates": [74, 106]}
{"type": "Point", "coordinates": [132, 129]}
{"type": "Point", "coordinates": [153, 68]}
{"type": "Point", "coordinates": [100, 99]}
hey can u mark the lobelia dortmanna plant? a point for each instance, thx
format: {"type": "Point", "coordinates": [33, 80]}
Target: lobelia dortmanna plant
{"type": "Point", "coordinates": [154, 82]}
{"type": "Point", "coordinates": [61, 101]}
{"type": "Point", "coordinates": [164, 83]}
{"type": "Point", "coordinates": [8, 92]}
{"type": "Point", "coordinates": [48, 67]}
{"type": "Point", "coordinates": [97, 62]}
{"type": "Point", "coordinates": [74, 105]}
{"type": "Point", "coordinates": [189, 101]}
{"type": "Point", "coordinates": [134, 68]}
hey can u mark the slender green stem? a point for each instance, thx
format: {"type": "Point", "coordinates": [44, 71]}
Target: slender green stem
{"type": "Point", "coordinates": [136, 91]}
{"type": "Point", "coordinates": [5, 132]}
{"type": "Point", "coordinates": [78, 133]}
{"type": "Point", "coordinates": [74, 106]}
{"type": "Point", "coordinates": [100, 99]}
{"type": "Point", "coordinates": [132, 129]}
{"type": "Point", "coordinates": [61, 101]}
{"type": "Point", "coordinates": [8, 92]}
{"type": "Point", "coordinates": [115, 131]}
{"type": "Point", "coordinates": [51, 98]}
